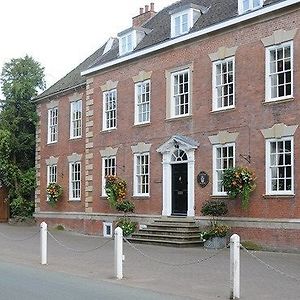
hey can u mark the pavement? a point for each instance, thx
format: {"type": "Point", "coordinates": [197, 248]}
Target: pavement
{"type": "Point", "coordinates": [186, 273]}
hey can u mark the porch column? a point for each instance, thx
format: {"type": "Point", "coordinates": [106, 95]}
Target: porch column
{"type": "Point", "coordinates": [167, 187]}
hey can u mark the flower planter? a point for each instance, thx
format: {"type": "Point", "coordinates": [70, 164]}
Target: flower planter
{"type": "Point", "coordinates": [215, 243]}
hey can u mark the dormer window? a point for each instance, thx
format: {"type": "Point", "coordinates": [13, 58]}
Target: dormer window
{"type": "Point", "coordinates": [130, 38]}
{"type": "Point", "coordinates": [127, 43]}
{"type": "Point", "coordinates": [184, 18]}
{"type": "Point", "coordinates": [248, 5]}
{"type": "Point", "coordinates": [181, 24]}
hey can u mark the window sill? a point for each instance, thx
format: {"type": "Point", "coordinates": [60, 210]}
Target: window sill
{"type": "Point", "coordinates": [270, 196]}
{"type": "Point", "coordinates": [75, 138]}
{"type": "Point", "coordinates": [223, 110]}
{"type": "Point", "coordinates": [278, 101]}
{"type": "Point", "coordinates": [51, 143]}
{"type": "Point", "coordinates": [219, 196]}
{"type": "Point", "coordinates": [179, 118]}
{"type": "Point", "coordinates": [141, 197]}
{"type": "Point", "coordinates": [141, 124]}
{"type": "Point", "coordinates": [108, 130]}
{"type": "Point", "coordinates": [74, 200]}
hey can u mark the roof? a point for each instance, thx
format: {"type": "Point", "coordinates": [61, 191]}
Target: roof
{"type": "Point", "coordinates": [73, 78]}
{"type": "Point", "coordinates": [159, 27]}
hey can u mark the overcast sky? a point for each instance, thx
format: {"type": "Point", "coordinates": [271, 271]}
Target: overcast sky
{"type": "Point", "coordinates": [62, 33]}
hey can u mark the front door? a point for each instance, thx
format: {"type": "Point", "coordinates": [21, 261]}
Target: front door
{"type": "Point", "coordinates": [179, 189]}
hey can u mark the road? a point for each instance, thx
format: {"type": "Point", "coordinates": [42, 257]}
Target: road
{"type": "Point", "coordinates": [22, 282]}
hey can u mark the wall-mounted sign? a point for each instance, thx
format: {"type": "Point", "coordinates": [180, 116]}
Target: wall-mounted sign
{"type": "Point", "coordinates": [203, 179]}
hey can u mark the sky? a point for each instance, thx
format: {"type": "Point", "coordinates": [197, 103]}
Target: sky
{"type": "Point", "coordinates": [60, 34]}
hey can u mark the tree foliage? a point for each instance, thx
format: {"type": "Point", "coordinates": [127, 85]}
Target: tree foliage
{"type": "Point", "coordinates": [21, 80]}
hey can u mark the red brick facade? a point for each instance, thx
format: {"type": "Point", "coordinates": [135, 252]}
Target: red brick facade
{"type": "Point", "coordinates": [250, 115]}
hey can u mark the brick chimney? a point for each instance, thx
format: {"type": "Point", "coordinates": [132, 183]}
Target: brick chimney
{"type": "Point", "coordinates": [144, 16]}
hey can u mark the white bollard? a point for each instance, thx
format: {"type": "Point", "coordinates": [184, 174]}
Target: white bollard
{"type": "Point", "coordinates": [43, 242]}
{"type": "Point", "coordinates": [119, 253]}
{"type": "Point", "coordinates": [235, 267]}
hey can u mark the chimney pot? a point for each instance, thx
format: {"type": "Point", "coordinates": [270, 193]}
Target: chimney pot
{"type": "Point", "coordinates": [146, 8]}
{"type": "Point", "coordinates": [151, 6]}
{"type": "Point", "coordinates": [141, 10]}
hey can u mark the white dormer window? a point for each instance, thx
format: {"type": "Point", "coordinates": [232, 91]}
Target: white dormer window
{"type": "Point", "coordinates": [184, 19]}
{"type": "Point", "coordinates": [248, 5]}
{"type": "Point", "coordinates": [181, 24]}
{"type": "Point", "coordinates": [127, 43]}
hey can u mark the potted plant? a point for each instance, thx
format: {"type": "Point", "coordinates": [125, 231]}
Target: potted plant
{"type": "Point", "coordinates": [54, 192]}
{"type": "Point", "coordinates": [239, 182]}
{"type": "Point", "coordinates": [215, 235]}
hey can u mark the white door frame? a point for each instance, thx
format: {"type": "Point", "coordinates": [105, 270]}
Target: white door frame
{"type": "Point", "coordinates": [188, 146]}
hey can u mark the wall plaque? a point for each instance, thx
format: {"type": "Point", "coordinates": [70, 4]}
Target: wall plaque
{"type": "Point", "coordinates": [203, 179]}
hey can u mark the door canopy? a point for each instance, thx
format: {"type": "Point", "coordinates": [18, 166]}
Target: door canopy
{"type": "Point", "coordinates": [178, 142]}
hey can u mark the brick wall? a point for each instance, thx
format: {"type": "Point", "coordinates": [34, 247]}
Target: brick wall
{"type": "Point", "coordinates": [248, 118]}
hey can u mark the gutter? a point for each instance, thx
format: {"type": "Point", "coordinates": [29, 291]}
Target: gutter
{"type": "Point", "coordinates": [37, 99]}
{"type": "Point", "coordinates": [187, 37]}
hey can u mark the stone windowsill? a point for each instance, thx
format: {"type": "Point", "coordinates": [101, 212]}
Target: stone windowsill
{"type": "Point", "coordinates": [279, 101]}
{"type": "Point", "coordinates": [279, 196]}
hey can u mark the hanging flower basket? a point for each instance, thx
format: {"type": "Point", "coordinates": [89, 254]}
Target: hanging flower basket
{"type": "Point", "coordinates": [54, 192]}
{"type": "Point", "coordinates": [239, 182]}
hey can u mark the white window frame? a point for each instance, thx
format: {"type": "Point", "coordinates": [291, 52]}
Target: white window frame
{"type": "Point", "coordinates": [139, 105]}
{"type": "Point", "coordinates": [215, 171]}
{"type": "Point", "coordinates": [71, 181]}
{"type": "Point", "coordinates": [76, 120]}
{"type": "Point", "coordinates": [106, 112]}
{"type": "Point", "coordinates": [137, 175]}
{"type": "Point", "coordinates": [52, 135]}
{"type": "Point", "coordinates": [124, 45]}
{"type": "Point", "coordinates": [268, 167]}
{"type": "Point", "coordinates": [222, 85]}
{"type": "Point", "coordinates": [268, 71]}
{"type": "Point", "coordinates": [51, 174]}
{"type": "Point", "coordinates": [173, 96]}
{"type": "Point", "coordinates": [105, 226]}
{"type": "Point", "coordinates": [112, 171]}
{"type": "Point", "coordinates": [189, 13]}
{"type": "Point", "coordinates": [243, 10]}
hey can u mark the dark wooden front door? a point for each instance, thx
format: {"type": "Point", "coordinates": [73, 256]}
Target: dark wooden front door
{"type": "Point", "coordinates": [179, 189]}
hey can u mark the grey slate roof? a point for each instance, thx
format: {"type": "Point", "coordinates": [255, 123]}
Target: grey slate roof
{"type": "Point", "coordinates": [160, 26]}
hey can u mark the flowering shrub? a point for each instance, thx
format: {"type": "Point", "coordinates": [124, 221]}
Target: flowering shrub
{"type": "Point", "coordinates": [127, 226]}
{"type": "Point", "coordinates": [54, 191]}
{"type": "Point", "coordinates": [239, 182]}
{"type": "Point", "coordinates": [217, 230]}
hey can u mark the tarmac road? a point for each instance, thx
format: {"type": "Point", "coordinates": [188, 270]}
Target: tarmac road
{"type": "Point", "coordinates": [20, 282]}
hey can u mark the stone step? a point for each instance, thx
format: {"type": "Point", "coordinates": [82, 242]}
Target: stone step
{"type": "Point", "coordinates": [169, 243]}
{"type": "Point", "coordinates": [171, 231]}
{"type": "Point", "coordinates": [172, 225]}
{"type": "Point", "coordinates": [150, 236]}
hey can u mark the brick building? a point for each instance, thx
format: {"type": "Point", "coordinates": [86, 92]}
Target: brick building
{"type": "Point", "coordinates": [200, 86]}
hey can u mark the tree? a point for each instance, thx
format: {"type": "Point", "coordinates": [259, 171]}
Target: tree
{"type": "Point", "coordinates": [21, 79]}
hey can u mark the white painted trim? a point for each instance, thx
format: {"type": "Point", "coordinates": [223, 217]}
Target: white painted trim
{"type": "Point", "coordinates": [214, 84]}
{"type": "Point", "coordinates": [72, 137]}
{"type": "Point", "coordinates": [105, 225]}
{"type": "Point", "coordinates": [215, 175]}
{"type": "Point", "coordinates": [172, 100]}
{"type": "Point", "coordinates": [243, 11]}
{"type": "Point", "coordinates": [103, 192]}
{"type": "Point", "coordinates": [104, 128]}
{"type": "Point", "coordinates": [268, 96]}
{"type": "Point", "coordinates": [268, 171]}
{"type": "Point", "coordinates": [135, 186]}
{"type": "Point", "coordinates": [49, 127]}
{"type": "Point", "coordinates": [71, 198]}
{"type": "Point", "coordinates": [200, 33]}
{"type": "Point", "coordinates": [136, 112]}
